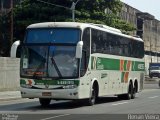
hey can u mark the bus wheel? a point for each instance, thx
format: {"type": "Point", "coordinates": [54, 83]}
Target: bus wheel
{"type": "Point", "coordinates": [44, 102]}
{"type": "Point", "coordinates": [93, 97]}
{"type": "Point", "coordinates": [133, 93]}
{"type": "Point", "coordinates": [129, 95]}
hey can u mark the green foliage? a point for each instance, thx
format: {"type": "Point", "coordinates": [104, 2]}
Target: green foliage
{"type": "Point", "coordinates": [122, 25]}
{"type": "Point", "coordinates": [90, 11]}
{"type": "Point", "coordinates": [4, 34]}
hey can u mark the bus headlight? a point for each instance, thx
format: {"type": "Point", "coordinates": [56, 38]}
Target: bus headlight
{"type": "Point", "coordinates": [69, 86]}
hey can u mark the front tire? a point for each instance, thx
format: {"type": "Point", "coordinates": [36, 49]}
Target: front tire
{"type": "Point", "coordinates": [44, 102]}
{"type": "Point", "coordinates": [92, 99]}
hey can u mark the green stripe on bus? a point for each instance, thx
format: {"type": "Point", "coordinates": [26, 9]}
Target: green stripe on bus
{"type": "Point", "coordinates": [125, 65]}
{"type": "Point", "coordinates": [51, 82]}
{"type": "Point", "coordinates": [107, 64]}
{"type": "Point", "coordinates": [138, 66]}
{"type": "Point", "coordinates": [114, 64]}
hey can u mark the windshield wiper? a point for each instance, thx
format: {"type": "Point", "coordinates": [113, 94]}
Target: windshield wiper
{"type": "Point", "coordinates": [56, 67]}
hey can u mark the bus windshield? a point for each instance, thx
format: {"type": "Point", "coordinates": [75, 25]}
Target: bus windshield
{"type": "Point", "coordinates": [50, 60]}
{"type": "Point", "coordinates": [53, 35]}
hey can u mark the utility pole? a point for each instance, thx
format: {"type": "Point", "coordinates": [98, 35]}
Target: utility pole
{"type": "Point", "coordinates": [11, 39]}
{"type": "Point", "coordinates": [73, 9]}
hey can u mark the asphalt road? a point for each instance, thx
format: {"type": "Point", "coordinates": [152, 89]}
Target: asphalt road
{"type": "Point", "coordinates": [146, 102]}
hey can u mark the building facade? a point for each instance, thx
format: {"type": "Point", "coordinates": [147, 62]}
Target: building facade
{"type": "Point", "coordinates": [148, 28]}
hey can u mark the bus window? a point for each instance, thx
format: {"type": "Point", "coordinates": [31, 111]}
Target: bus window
{"type": "Point", "coordinates": [85, 52]}
{"type": "Point", "coordinates": [97, 41]}
{"type": "Point", "coordinates": [83, 64]}
{"type": "Point", "coordinates": [86, 40]}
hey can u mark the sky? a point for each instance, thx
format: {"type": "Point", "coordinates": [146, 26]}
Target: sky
{"type": "Point", "coordinates": [150, 6]}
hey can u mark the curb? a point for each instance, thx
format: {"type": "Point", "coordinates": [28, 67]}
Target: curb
{"type": "Point", "coordinates": [10, 95]}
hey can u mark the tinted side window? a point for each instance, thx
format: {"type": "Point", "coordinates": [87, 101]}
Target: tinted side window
{"type": "Point", "coordinates": [97, 41]}
{"type": "Point", "coordinates": [107, 43]}
{"type": "Point", "coordinates": [86, 51]}
{"type": "Point", "coordinates": [138, 49]}
{"type": "Point", "coordinates": [86, 40]}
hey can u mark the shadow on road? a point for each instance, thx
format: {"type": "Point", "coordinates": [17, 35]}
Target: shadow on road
{"type": "Point", "coordinates": [63, 105]}
{"type": "Point", "coordinates": [55, 105]}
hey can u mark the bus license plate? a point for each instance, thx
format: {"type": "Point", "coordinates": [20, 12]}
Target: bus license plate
{"type": "Point", "coordinates": [46, 93]}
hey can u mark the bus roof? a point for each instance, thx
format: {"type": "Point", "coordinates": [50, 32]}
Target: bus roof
{"type": "Point", "coordinates": [82, 26]}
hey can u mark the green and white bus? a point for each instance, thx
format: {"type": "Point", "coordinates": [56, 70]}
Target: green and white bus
{"type": "Point", "coordinates": [72, 61]}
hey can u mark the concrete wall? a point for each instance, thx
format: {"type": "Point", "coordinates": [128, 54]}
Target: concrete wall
{"type": "Point", "coordinates": [9, 73]}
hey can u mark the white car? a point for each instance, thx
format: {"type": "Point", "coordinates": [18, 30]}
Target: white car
{"type": "Point", "coordinates": [154, 71]}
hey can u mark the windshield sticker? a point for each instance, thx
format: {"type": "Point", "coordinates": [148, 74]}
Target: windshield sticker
{"type": "Point", "coordinates": [35, 73]}
{"type": "Point", "coordinates": [25, 63]}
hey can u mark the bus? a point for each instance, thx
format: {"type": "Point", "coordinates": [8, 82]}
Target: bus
{"type": "Point", "coordinates": [74, 61]}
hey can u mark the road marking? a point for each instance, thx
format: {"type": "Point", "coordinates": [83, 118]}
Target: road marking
{"type": "Point", "coordinates": [120, 103]}
{"type": "Point", "coordinates": [55, 117]}
{"type": "Point", "coordinates": [153, 97]}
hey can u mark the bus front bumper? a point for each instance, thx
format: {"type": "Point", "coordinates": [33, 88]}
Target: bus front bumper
{"type": "Point", "coordinates": [52, 94]}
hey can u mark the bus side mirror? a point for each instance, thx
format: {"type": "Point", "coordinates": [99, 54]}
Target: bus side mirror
{"type": "Point", "coordinates": [79, 49]}
{"type": "Point", "coordinates": [14, 49]}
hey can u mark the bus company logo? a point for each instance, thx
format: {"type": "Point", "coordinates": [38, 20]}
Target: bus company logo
{"type": "Point", "coordinates": [29, 82]}
{"type": "Point", "coordinates": [100, 66]}
{"type": "Point", "coordinates": [98, 60]}
{"type": "Point", "coordinates": [46, 86]}
{"type": "Point", "coordinates": [141, 66]}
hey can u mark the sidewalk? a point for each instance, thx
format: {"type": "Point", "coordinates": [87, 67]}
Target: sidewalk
{"type": "Point", "coordinates": [7, 95]}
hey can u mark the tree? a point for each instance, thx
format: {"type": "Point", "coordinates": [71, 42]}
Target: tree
{"type": "Point", "coordinates": [4, 34]}
{"type": "Point", "coordinates": [91, 11]}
